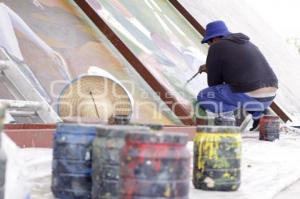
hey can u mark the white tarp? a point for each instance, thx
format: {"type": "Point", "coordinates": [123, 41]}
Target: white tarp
{"type": "Point", "coordinates": [267, 168]}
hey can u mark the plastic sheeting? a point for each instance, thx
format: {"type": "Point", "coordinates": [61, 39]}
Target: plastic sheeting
{"type": "Point", "coordinates": [267, 168]}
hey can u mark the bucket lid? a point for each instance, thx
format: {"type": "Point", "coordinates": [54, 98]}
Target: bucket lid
{"type": "Point", "coordinates": [273, 117]}
{"type": "Point", "coordinates": [76, 128]}
{"type": "Point", "coordinates": [119, 130]}
{"type": "Point", "coordinates": [218, 129]}
{"type": "Point", "coordinates": [155, 127]}
{"type": "Point", "coordinates": [158, 137]}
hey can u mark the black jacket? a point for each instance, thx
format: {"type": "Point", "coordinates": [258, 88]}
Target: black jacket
{"type": "Point", "coordinates": [235, 61]}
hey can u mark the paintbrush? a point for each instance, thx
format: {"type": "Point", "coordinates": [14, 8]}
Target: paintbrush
{"type": "Point", "coordinates": [188, 81]}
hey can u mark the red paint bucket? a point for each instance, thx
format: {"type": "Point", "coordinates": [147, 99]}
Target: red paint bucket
{"type": "Point", "coordinates": [155, 165]}
{"type": "Point", "coordinates": [269, 128]}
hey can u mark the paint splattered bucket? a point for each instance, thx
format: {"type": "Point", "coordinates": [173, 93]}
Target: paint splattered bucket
{"type": "Point", "coordinates": [3, 158]}
{"type": "Point", "coordinates": [3, 162]}
{"type": "Point", "coordinates": [155, 165]}
{"type": "Point", "coordinates": [217, 158]}
{"type": "Point", "coordinates": [269, 128]}
{"type": "Point", "coordinates": [106, 159]}
{"type": "Point", "coordinates": [71, 166]}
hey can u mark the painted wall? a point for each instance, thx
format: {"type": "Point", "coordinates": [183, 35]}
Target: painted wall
{"type": "Point", "coordinates": [162, 39]}
{"type": "Point", "coordinates": [68, 34]}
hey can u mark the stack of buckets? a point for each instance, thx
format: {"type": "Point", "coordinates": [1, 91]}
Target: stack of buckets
{"type": "Point", "coordinates": [119, 162]}
{"type": "Point", "coordinates": [71, 166]}
{"type": "Point", "coordinates": [217, 158]}
{"type": "Point", "coordinates": [2, 154]}
{"type": "Point", "coordinates": [106, 164]}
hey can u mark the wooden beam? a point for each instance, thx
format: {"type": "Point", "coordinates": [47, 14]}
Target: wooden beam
{"type": "Point", "coordinates": [280, 112]}
{"type": "Point", "coordinates": [171, 101]}
{"type": "Point", "coordinates": [188, 16]}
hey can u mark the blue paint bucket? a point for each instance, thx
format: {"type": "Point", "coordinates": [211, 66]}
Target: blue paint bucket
{"type": "Point", "coordinates": [71, 166]}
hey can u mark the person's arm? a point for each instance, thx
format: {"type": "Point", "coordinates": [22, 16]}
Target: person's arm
{"type": "Point", "coordinates": [202, 69]}
{"type": "Point", "coordinates": [214, 67]}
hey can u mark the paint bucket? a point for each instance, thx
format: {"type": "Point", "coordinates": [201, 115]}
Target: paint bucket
{"type": "Point", "coordinates": [217, 158]}
{"type": "Point", "coordinates": [106, 159]}
{"type": "Point", "coordinates": [3, 161]}
{"type": "Point", "coordinates": [71, 166]}
{"type": "Point", "coordinates": [2, 118]}
{"type": "Point", "coordinates": [3, 158]}
{"type": "Point", "coordinates": [119, 120]}
{"type": "Point", "coordinates": [269, 128]}
{"type": "Point", "coordinates": [224, 121]}
{"type": "Point", "coordinates": [155, 165]}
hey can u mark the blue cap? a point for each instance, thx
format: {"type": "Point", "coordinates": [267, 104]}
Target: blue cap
{"type": "Point", "coordinates": [215, 29]}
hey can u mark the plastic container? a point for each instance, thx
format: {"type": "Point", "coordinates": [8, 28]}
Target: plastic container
{"type": "Point", "coordinates": [119, 120]}
{"type": "Point", "coordinates": [269, 128]}
{"type": "Point", "coordinates": [217, 158]}
{"type": "Point", "coordinates": [3, 158]}
{"type": "Point", "coordinates": [224, 121]}
{"type": "Point", "coordinates": [155, 165]}
{"type": "Point", "coordinates": [2, 117]}
{"type": "Point", "coordinates": [71, 166]}
{"type": "Point", "coordinates": [3, 161]}
{"type": "Point", "coordinates": [106, 159]}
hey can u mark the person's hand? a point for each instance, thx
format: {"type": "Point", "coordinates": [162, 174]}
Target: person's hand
{"type": "Point", "coordinates": [202, 68]}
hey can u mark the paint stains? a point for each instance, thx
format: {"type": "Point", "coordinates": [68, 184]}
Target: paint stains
{"type": "Point", "coordinates": [217, 159]}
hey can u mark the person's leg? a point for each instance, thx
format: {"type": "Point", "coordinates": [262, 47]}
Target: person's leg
{"type": "Point", "coordinates": [220, 99]}
{"type": "Point", "coordinates": [256, 115]}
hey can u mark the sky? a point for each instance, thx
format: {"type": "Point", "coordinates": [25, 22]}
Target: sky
{"type": "Point", "coordinates": [282, 15]}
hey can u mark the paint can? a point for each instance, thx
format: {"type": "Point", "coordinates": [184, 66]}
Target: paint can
{"type": "Point", "coordinates": [2, 118]}
{"type": "Point", "coordinates": [269, 128]}
{"type": "Point", "coordinates": [224, 121]}
{"type": "Point", "coordinates": [3, 161]}
{"type": "Point", "coordinates": [71, 166]}
{"type": "Point", "coordinates": [217, 158]}
{"type": "Point", "coordinates": [155, 165]}
{"type": "Point", "coordinates": [3, 158]}
{"type": "Point", "coordinates": [119, 120]}
{"type": "Point", "coordinates": [106, 159]}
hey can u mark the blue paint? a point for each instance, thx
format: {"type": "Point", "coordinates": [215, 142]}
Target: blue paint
{"type": "Point", "coordinates": [71, 166]}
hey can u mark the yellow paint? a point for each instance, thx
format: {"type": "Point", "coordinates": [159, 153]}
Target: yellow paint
{"type": "Point", "coordinates": [167, 192]}
{"type": "Point", "coordinates": [208, 146]}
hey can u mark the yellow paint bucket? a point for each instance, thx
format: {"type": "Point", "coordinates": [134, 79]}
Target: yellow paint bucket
{"type": "Point", "coordinates": [217, 158]}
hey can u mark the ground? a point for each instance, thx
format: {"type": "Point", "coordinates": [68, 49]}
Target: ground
{"type": "Point", "coordinates": [292, 192]}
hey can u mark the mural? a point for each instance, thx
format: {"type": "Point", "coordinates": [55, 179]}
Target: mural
{"type": "Point", "coordinates": [9, 22]}
{"type": "Point", "coordinates": [284, 60]}
{"type": "Point", "coordinates": [161, 38]}
{"type": "Point", "coordinates": [52, 51]}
